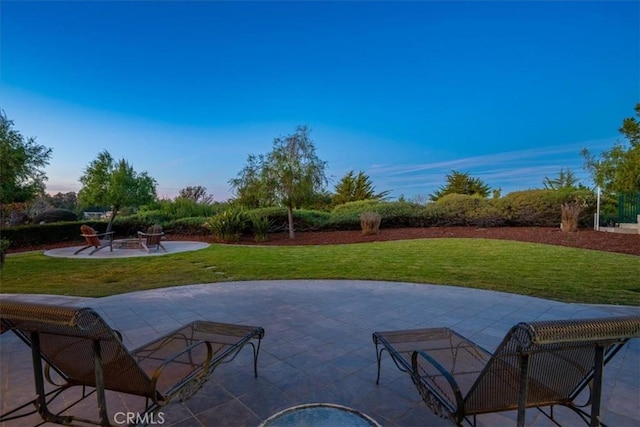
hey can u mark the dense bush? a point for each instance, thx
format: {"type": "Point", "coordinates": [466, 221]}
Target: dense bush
{"type": "Point", "coordinates": [357, 207]}
{"type": "Point", "coordinates": [522, 208]}
{"type": "Point", "coordinates": [394, 214]}
{"type": "Point", "coordinates": [542, 207]}
{"type": "Point", "coordinates": [188, 226]}
{"type": "Point", "coordinates": [466, 210]}
{"type": "Point", "coordinates": [55, 215]}
{"type": "Point", "coordinates": [40, 234]}
{"type": "Point", "coordinates": [184, 208]}
{"type": "Point", "coordinates": [303, 220]}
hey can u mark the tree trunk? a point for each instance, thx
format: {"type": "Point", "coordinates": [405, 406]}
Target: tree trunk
{"type": "Point", "coordinates": [290, 215]}
{"type": "Point", "coordinates": [113, 216]}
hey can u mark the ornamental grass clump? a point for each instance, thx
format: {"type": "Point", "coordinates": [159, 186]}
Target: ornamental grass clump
{"type": "Point", "coordinates": [570, 216]}
{"type": "Point", "coordinates": [228, 225]}
{"type": "Point", "coordinates": [261, 226]}
{"type": "Point", "coordinates": [370, 223]}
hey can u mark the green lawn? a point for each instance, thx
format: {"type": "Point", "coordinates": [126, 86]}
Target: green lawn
{"type": "Point", "coordinates": [553, 272]}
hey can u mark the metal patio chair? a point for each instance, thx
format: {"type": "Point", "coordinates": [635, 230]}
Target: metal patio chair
{"type": "Point", "coordinates": [85, 352]}
{"type": "Point", "coordinates": [538, 364]}
{"type": "Point", "coordinates": [95, 240]}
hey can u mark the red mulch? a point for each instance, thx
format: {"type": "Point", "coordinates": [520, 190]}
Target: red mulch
{"type": "Point", "coordinates": [584, 238]}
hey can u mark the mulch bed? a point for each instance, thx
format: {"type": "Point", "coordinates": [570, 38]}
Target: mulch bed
{"type": "Point", "coordinates": [584, 238]}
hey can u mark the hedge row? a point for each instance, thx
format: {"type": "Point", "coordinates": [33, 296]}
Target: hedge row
{"type": "Point", "coordinates": [524, 208]}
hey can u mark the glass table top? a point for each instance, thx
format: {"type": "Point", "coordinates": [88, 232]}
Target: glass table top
{"type": "Point", "coordinates": [319, 415]}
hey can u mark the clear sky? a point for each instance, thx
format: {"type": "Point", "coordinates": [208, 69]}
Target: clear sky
{"type": "Point", "coordinates": [508, 91]}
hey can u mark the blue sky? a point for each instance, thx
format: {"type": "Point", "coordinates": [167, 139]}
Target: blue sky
{"type": "Point", "coordinates": [509, 92]}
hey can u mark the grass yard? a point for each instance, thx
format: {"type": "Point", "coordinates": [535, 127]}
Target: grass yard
{"type": "Point", "coordinates": [552, 272]}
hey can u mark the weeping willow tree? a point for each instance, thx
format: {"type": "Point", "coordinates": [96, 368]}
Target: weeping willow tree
{"type": "Point", "coordinates": [290, 175]}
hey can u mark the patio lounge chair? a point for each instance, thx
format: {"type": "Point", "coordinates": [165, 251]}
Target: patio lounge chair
{"type": "Point", "coordinates": [538, 364]}
{"type": "Point", "coordinates": [84, 351]}
{"type": "Point", "coordinates": [153, 237]}
{"type": "Point", "coordinates": [95, 240]}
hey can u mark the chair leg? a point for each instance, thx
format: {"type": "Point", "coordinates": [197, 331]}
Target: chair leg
{"type": "Point", "coordinates": [524, 386]}
{"type": "Point", "coordinates": [596, 397]}
{"type": "Point", "coordinates": [41, 398]}
{"type": "Point", "coordinates": [82, 249]}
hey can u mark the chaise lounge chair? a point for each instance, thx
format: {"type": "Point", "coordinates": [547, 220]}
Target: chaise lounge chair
{"type": "Point", "coordinates": [95, 240]}
{"type": "Point", "coordinates": [538, 364]}
{"type": "Point", "coordinates": [85, 352]}
{"type": "Point", "coordinates": [153, 237]}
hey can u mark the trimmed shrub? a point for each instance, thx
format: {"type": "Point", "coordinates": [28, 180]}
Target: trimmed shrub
{"type": "Point", "coordinates": [303, 220]}
{"type": "Point", "coordinates": [467, 210]}
{"type": "Point", "coordinates": [542, 207]}
{"type": "Point", "coordinates": [358, 206]}
{"type": "Point", "coordinates": [195, 226]}
{"type": "Point", "coordinates": [55, 215]}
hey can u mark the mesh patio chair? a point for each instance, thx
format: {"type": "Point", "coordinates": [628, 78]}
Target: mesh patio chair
{"type": "Point", "coordinates": [153, 237]}
{"type": "Point", "coordinates": [538, 364]}
{"type": "Point", "coordinates": [85, 352]}
{"type": "Point", "coordinates": [95, 240]}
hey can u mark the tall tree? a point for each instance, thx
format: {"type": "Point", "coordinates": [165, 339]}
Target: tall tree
{"type": "Point", "coordinates": [461, 183]}
{"type": "Point", "coordinates": [618, 170]}
{"type": "Point", "coordinates": [21, 161]}
{"type": "Point", "coordinates": [356, 187]}
{"type": "Point", "coordinates": [196, 194]}
{"type": "Point", "coordinates": [291, 174]}
{"type": "Point", "coordinates": [68, 201]}
{"type": "Point", "coordinates": [116, 184]}
{"type": "Point", "coordinates": [565, 179]}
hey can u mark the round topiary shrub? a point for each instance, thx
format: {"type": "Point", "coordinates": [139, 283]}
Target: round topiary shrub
{"type": "Point", "coordinates": [55, 215]}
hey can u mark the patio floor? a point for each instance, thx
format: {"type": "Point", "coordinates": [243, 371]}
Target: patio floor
{"type": "Point", "coordinates": [318, 347]}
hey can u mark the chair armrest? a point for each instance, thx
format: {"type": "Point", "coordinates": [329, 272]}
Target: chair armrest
{"type": "Point", "coordinates": [426, 390]}
{"type": "Point", "coordinates": [204, 366]}
{"type": "Point", "coordinates": [99, 235]}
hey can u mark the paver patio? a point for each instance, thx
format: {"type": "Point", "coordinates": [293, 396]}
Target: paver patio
{"type": "Point", "coordinates": [318, 347]}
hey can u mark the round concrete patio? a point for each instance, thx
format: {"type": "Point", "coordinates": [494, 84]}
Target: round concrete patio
{"type": "Point", "coordinates": [172, 247]}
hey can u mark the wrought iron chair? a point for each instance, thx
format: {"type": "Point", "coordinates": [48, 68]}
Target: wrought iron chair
{"type": "Point", "coordinates": [538, 364]}
{"type": "Point", "coordinates": [95, 240]}
{"type": "Point", "coordinates": [153, 237]}
{"type": "Point", "coordinates": [84, 351]}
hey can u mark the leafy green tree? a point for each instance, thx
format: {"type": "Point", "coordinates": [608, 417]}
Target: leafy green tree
{"type": "Point", "coordinates": [565, 179]}
{"type": "Point", "coordinates": [109, 183]}
{"type": "Point", "coordinates": [461, 183]}
{"type": "Point", "coordinates": [22, 159]}
{"type": "Point", "coordinates": [353, 187]}
{"type": "Point", "coordinates": [291, 175]}
{"type": "Point", "coordinates": [197, 194]}
{"type": "Point", "coordinates": [618, 169]}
